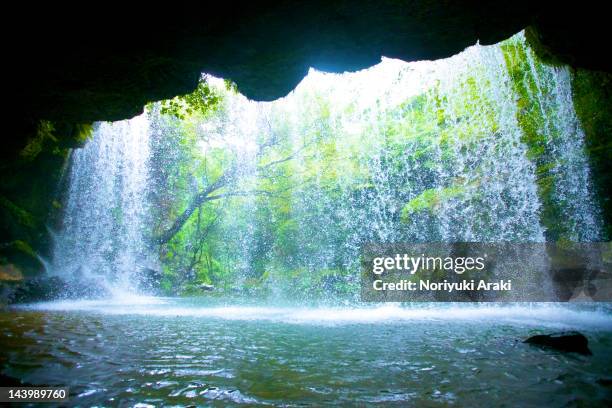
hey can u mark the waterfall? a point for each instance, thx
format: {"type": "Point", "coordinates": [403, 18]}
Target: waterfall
{"type": "Point", "coordinates": [484, 146]}
{"type": "Point", "coordinates": [565, 139]}
{"type": "Point", "coordinates": [431, 151]}
{"type": "Point", "coordinates": [103, 233]}
{"type": "Point", "coordinates": [474, 161]}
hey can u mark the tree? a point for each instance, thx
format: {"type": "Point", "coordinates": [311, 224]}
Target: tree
{"type": "Point", "coordinates": [213, 192]}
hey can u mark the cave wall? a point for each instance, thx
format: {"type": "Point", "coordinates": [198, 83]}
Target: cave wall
{"type": "Point", "coordinates": [592, 94]}
{"type": "Point", "coordinates": [30, 189]}
{"type": "Point", "coordinates": [107, 64]}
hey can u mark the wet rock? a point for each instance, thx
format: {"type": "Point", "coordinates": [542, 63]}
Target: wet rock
{"type": "Point", "coordinates": [150, 279]}
{"type": "Point", "coordinates": [21, 257]}
{"type": "Point", "coordinates": [571, 342]}
{"type": "Point", "coordinates": [206, 287]}
{"type": "Point", "coordinates": [46, 288]}
{"type": "Point", "coordinates": [10, 273]}
{"type": "Point", "coordinates": [606, 382]}
{"type": "Point", "coordinates": [7, 381]}
{"type": "Point", "coordinates": [37, 290]}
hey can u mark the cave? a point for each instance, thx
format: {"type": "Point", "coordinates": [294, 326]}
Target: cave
{"type": "Point", "coordinates": [193, 202]}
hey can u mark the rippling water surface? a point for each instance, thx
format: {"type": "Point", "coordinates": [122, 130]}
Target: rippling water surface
{"type": "Point", "coordinates": [190, 352]}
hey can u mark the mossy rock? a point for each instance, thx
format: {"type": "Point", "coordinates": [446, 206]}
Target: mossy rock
{"type": "Point", "coordinates": [592, 94]}
{"type": "Point", "coordinates": [10, 273]}
{"type": "Point", "coordinates": [21, 256]}
{"type": "Point", "coordinates": [29, 193]}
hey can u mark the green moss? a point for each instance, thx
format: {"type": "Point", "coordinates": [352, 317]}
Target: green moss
{"type": "Point", "coordinates": [29, 188]}
{"type": "Point", "coordinates": [82, 132]}
{"type": "Point", "coordinates": [22, 255]}
{"type": "Point", "coordinates": [531, 118]}
{"type": "Point", "coordinates": [20, 215]}
{"type": "Point", "coordinates": [592, 94]}
{"type": "Point", "coordinates": [429, 200]}
{"type": "Point", "coordinates": [24, 247]}
{"type": "Point", "coordinates": [592, 97]}
{"type": "Point", "coordinates": [36, 144]}
{"type": "Point", "coordinates": [55, 138]}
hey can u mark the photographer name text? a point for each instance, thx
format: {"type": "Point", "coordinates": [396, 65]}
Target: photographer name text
{"type": "Point", "coordinates": [427, 285]}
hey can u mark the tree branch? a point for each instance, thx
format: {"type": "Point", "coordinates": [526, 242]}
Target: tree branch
{"type": "Point", "coordinates": [208, 194]}
{"type": "Point", "coordinates": [195, 203]}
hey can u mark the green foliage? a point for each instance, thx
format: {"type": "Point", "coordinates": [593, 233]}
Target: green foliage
{"type": "Point", "coordinates": [202, 100]}
{"type": "Point", "coordinates": [55, 137]}
{"type": "Point", "coordinates": [430, 199]}
{"type": "Point", "coordinates": [533, 118]}
{"type": "Point", "coordinates": [35, 145]}
{"type": "Point", "coordinates": [314, 172]}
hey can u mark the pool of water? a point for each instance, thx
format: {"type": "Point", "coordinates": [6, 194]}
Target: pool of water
{"type": "Point", "coordinates": [161, 351]}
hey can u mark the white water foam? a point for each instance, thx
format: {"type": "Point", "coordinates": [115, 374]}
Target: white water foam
{"type": "Point", "coordinates": [559, 316]}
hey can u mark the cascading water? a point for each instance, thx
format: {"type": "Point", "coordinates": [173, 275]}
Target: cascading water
{"type": "Point", "coordinates": [429, 151]}
{"type": "Point", "coordinates": [103, 233]}
{"type": "Point", "coordinates": [402, 152]}
{"type": "Point", "coordinates": [474, 166]}
{"type": "Point", "coordinates": [565, 139]}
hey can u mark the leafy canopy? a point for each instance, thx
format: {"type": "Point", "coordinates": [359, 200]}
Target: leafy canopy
{"type": "Point", "coordinates": [203, 99]}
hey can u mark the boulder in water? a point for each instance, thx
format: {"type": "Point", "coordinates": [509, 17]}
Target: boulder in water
{"type": "Point", "coordinates": [38, 289]}
{"type": "Point", "coordinates": [206, 287]}
{"type": "Point", "coordinates": [571, 342]}
{"type": "Point", "coordinates": [46, 288]}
